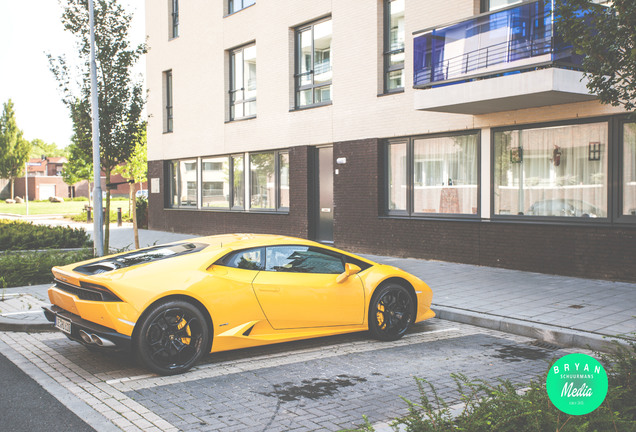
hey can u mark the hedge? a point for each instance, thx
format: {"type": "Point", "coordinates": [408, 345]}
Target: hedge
{"type": "Point", "coordinates": [18, 235]}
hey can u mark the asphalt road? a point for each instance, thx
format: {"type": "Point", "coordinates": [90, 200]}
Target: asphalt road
{"type": "Point", "coordinates": [26, 406]}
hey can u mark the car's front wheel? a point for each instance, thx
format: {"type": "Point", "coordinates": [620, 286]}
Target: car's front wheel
{"type": "Point", "coordinates": [391, 312]}
{"type": "Point", "coordinates": [172, 337]}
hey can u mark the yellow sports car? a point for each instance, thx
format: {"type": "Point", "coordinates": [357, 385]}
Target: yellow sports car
{"type": "Point", "coordinates": [171, 304]}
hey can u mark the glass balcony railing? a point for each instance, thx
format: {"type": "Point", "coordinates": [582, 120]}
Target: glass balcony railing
{"type": "Point", "coordinates": [505, 41]}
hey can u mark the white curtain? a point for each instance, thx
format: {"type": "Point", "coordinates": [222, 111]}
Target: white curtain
{"type": "Point", "coordinates": [556, 171]}
{"type": "Point", "coordinates": [445, 171]}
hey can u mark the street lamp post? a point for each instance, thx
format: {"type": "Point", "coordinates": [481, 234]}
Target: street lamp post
{"type": "Point", "coordinates": [26, 186]}
{"type": "Point", "coordinates": [98, 216]}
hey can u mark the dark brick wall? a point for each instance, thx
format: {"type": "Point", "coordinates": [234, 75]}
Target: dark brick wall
{"type": "Point", "coordinates": [584, 251]}
{"type": "Point", "coordinates": [203, 222]}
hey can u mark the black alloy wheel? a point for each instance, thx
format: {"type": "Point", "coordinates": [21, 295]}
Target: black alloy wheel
{"type": "Point", "coordinates": [172, 337]}
{"type": "Point", "coordinates": [391, 312]}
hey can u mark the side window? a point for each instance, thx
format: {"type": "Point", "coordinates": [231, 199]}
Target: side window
{"type": "Point", "coordinates": [247, 259]}
{"type": "Point", "coordinates": [303, 259]}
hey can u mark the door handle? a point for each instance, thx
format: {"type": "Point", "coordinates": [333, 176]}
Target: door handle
{"type": "Point", "coordinates": [268, 289]}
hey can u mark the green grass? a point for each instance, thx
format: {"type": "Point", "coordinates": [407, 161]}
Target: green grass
{"type": "Point", "coordinates": [49, 208]}
{"type": "Point", "coordinates": [43, 208]}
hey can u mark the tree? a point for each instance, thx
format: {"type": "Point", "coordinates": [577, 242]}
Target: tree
{"type": "Point", "coordinates": [120, 97]}
{"type": "Point", "coordinates": [605, 36]}
{"type": "Point", "coordinates": [14, 149]}
{"type": "Point", "coordinates": [80, 151]}
{"type": "Point", "coordinates": [136, 170]}
{"type": "Point", "coordinates": [40, 148]}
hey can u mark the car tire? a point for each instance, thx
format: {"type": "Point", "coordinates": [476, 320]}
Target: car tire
{"type": "Point", "coordinates": [172, 337]}
{"type": "Point", "coordinates": [391, 312]}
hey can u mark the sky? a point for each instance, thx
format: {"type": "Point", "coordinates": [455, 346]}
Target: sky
{"type": "Point", "coordinates": [28, 30]}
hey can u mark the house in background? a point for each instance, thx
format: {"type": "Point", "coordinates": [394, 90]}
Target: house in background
{"type": "Point", "coordinates": [458, 130]}
{"type": "Point", "coordinates": [45, 179]}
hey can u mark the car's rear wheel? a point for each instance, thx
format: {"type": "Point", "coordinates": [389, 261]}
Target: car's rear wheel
{"type": "Point", "coordinates": [172, 337]}
{"type": "Point", "coordinates": [391, 312]}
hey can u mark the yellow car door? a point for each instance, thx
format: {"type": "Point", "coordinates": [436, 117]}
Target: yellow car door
{"type": "Point", "coordinates": [299, 289]}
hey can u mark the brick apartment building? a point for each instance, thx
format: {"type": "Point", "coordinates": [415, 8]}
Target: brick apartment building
{"type": "Point", "coordinates": [458, 130]}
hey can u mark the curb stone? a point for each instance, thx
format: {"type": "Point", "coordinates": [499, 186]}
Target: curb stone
{"type": "Point", "coordinates": [548, 333]}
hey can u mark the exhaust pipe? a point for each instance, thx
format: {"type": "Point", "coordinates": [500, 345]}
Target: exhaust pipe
{"type": "Point", "coordinates": [102, 342]}
{"type": "Point", "coordinates": [86, 337]}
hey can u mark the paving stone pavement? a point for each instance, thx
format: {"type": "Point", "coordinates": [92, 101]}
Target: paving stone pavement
{"type": "Point", "coordinates": [328, 383]}
{"type": "Point", "coordinates": [322, 384]}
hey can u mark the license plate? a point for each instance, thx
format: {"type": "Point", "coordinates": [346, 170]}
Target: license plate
{"type": "Point", "coordinates": [62, 324]}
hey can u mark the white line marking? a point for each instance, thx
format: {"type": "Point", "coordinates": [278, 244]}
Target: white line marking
{"type": "Point", "coordinates": [21, 313]}
{"type": "Point", "coordinates": [132, 378]}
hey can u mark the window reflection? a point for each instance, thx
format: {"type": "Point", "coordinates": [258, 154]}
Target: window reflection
{"type": "Point", "coordinates": [313, 70]}
{"type": "Point", "coordinates": [629, 169]}
{"type": "Point", "coordinates": [283, 190]}
{"type": "Point", "coordinates": [394, 45]}
{"type": "Point", "coordinates": [302, 259]}
{"type": "Point", "coordinates": [262, 178]}
{"type": "Point", "coordinates": [183, 183]}
{"type": "Point", "coordinates": [243, 82]}
{"type": "Point", "coordinates": [238, 178]}
{"type": "Point", "coordinates": [215, 178]}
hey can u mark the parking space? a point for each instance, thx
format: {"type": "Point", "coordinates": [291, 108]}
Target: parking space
{"type": "Point", "coordinates": [321, 384]}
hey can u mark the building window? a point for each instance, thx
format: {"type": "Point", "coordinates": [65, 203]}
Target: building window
{"type": "Point", "coordinates": [283, 180]}
{"type": "Point", "coordinates": [559, 171]}
{"type": "Point", "coordinates": [238, 182]}
{"type": "Point", "coordinates": [174, 19]}
{"type": "Point", "coordinates": [393, 45]}
{"type": "Point", "coordinates": [183, 183]}
{"type": "Point", "coordinates": [629, 169]}
{"type": "Point", "coordinates": [222, 182]}
{"type": "Point", "coordinates": [243, 82]}
{"type": "Point", "coordinates": [262, 176]}
{"type": "Point", "coordinates": [493, 5]}
{"type": "Point", "coordinates": [269, 181]}
{"type": "Point", "coordinates": [167, 112]}
{"type": "Point", "coordinates": [237, 5]}
{"type": "Point", "coordinates": [433, 175]}
{"type": "Point", "coordinates": [215, 182]}
{"type": "Point", "coordinates": [313, 64]}
{"type": "Point", "coordinates": [397, 176]}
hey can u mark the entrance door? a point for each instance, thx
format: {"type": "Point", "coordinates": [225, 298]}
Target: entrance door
{"type": "Point", "coordinates": [324, 229]}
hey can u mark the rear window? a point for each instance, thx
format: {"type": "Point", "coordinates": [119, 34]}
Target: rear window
{"type": "Point", "coordinates": [151, 254]}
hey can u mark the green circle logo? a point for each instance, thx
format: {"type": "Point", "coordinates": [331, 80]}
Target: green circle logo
{"type": "Point", "coordinates": [577, 384]}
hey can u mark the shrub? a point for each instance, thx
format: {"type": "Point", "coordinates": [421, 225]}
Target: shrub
{"type": "Point", "coordinates": [81, 217]}
{"type": "Point", "coordinates": [30, 268]}
{"type": "Point", "coordinates": [79, 198]}
{"type": "Point", "coordinates": [502, 407]}
{"type": "Point", "coordinates": [18, 235]}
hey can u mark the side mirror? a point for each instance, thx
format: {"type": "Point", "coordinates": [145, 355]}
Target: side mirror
{"type": "Point", "coordinates": [350, 269]}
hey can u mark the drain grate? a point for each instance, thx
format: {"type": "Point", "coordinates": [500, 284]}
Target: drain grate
{"type": "Point", "coordinates": [545, 345]}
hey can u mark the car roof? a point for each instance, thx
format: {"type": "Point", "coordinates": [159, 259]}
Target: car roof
{"type": "Point", "coordinates": [246, 240]}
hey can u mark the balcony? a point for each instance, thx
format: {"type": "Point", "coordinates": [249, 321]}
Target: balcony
{"type": "Point", "coordinates": [504, 60]}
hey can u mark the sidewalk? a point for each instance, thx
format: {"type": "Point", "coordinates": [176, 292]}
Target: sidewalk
{"type": "Point", "coordinates": [560, 310]}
